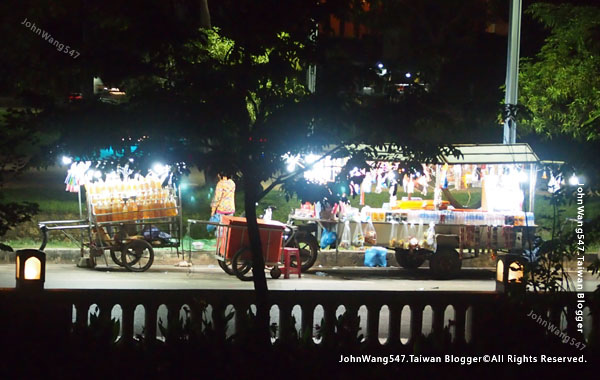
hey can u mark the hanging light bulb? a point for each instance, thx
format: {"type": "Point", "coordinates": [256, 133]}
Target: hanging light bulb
{"type": "Point", "coordinates": [544, 175]}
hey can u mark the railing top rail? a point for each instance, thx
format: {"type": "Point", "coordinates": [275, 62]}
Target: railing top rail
{"type": "Point", "coordinates": [276, 296]}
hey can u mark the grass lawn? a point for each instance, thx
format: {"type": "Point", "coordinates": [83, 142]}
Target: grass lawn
{"type": "Point", "coordinates": [46, 189]}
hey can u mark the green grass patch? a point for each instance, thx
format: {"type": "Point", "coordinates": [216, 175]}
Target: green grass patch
{"type": "Point", "coordinates": [57, 204]}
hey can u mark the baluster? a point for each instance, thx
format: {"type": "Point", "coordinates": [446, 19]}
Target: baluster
{"type": "Point", "coordinates": [242, 311]}
{"type": "Point", "coordinates": [127, 310]}
{"type": "Point", "coordinates": [105, 309]}
{"type": "Point", "coordinates": [328, 326]}
{"type": "Point", "coordinates": [373, 324]}
{"type": "Point", "coordinates": [81, 317]}
{"type": "Point", "coordinates": [438, 321]}
{"type": "Point", "coordinates": [218, 318]}
{"type": "Point", "coordinates": [394, 324]}
{"type": "Point", "coordinates": [554, 315]}
{"type": "Point", "coordinates": [307, 320]}
{"type": "Point", "coordinates": [172, 316]}
{"type": "Point", "coordinates": [416, 322]}
{"type": "Point", "coordinates": [285, 325]}
{"type": "Point", "coordinates": [460, 320]}
{"type": "Point", "coordinates": [572, 324]}
{"type": "Point", "coordinates": [150, 310]}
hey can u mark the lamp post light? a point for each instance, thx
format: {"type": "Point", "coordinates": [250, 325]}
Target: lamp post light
{"type": "Point", "coordinates": [512, 73]}
{"type": "Point", "coordinates": [30, 269]}
{"type": "Point", "coordinates": [510, 274]}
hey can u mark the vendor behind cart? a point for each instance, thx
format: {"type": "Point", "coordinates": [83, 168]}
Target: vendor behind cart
{"type": "Point", "coordinates": [223, 202]}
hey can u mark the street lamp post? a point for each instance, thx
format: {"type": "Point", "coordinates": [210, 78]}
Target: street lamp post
{"type": "Point", "coordinates": [512, 73]}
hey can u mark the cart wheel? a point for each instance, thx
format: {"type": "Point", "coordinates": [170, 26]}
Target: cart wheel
{"type": "Point", "coordinates": [227, 268]}
{"type": "Point", "coordinates": [445, 264]}
{"type": "Point", "coordinates": [242, 265]}
{"type": "Point", "coordinates": [116, 257]}
{"type": "Point", "coordinates": [275, 273]}
{"type": "Point", "coordinates": [137, 255]}
{"type": "Point", "coordinates": [308, 246]}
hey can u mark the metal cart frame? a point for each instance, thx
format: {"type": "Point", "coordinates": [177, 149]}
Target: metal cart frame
{"type": "Point", "coordinates": [120, 237]}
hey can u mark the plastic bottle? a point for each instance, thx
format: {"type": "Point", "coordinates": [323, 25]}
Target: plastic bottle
{"type": "Point", "coordinates": [173, 205]}
{"type": "Point", "coordinates": [124, 215]}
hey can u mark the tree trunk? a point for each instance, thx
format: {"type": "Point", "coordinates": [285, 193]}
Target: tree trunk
{"type": "Point", "coordinates": [204, 14]}
{"type": "Point", "coordinates": [258, 262]}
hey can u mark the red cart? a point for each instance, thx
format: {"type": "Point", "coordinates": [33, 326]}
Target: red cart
{"type": "Point", "coordinates": [233, 246]}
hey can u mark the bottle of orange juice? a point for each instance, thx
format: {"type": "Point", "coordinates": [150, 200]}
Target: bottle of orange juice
{"type": "Point", "coordinates": [97, 209]}
{"type": "Point", "coordinates": [124, 211]}
{"type": "Point", "coordinates": [114, 209]}
{"type": "Point", "coordinates": [102, 209]}
{"type": "Point", "coordinates": [149, 208]}
{"type": "Point", "coordinates": [172, 206]}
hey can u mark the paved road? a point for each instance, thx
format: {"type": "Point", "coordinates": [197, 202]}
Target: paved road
{"type": "Point", "coordinates": [212, 277]}
{"type": "Point", "coordinates": [61, 276]}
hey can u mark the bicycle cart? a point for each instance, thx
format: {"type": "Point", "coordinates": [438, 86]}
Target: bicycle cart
{"type": "Point", "coordinates": [232, 249]}
{"type": "Point", "coordinates": [128, 218]}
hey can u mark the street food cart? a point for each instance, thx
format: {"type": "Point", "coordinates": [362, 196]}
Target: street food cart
{"type": "Point", "coordinates": [442, 230]}
{"type": "Point", "coordinates": [127, 216]}
{"type": "Point", "coordinates": [232, 245]}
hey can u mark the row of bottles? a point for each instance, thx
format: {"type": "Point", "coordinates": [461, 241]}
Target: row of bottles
{"type": "Point", "coordinates": [133, 209]}
{"type": "Point", "coordinates": [477, 218]}
{"type": "Point", "coordinates": [115, 187]}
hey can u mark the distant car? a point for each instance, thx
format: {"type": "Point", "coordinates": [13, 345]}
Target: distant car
{"type": "Point", "coordinates": [75, 97]}
{"type": "Point", "coordinates": [112, 96]}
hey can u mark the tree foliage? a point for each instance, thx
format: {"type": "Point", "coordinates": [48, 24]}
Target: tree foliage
{"type": "Point", "coordinates": [560, 86]}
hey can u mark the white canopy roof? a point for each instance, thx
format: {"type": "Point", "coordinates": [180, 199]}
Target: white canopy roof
{"type": "Point", "coordinates": [494, 154]}
{"type": "Point", "coordinates": [481, 154]}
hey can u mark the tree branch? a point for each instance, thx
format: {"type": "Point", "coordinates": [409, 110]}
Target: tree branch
{"type": "Point", "coordinates": [296, 172]}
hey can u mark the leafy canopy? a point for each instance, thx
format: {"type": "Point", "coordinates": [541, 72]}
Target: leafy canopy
{"type": "Point", "coordinates": [560, 86]}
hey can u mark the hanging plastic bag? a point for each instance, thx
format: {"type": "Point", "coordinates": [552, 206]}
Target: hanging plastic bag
{"type": "Point", "coordinates": [358, 238]}
{"type": "Point", "coordinates": [327, 238]}
{"type": "Point", "coordinates": [430, 240]}
{"type": "Point", "coordinates": [420, 234]}
{"type": "Point", "coordinates": [215, 218]}
{"type": "Point", "coordinates": [393, 235]}
{"type": "Point", "coordinates": [346, 236]}
{"type": "Point", "coordinates": [370, 234]}
{"type": "Point", "coordinates": [411, 239]}
{"type": "Point", "coordinates": [403, 235]}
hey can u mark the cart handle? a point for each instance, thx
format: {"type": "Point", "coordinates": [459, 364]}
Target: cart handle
{"type": "Point", "coordinates": [44, 231]}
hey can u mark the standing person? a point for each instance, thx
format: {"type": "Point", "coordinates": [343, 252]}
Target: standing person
{"type": "Point", "coordinates": [223, 202]}
{"type": "Point", "coordinates": [393, 193]}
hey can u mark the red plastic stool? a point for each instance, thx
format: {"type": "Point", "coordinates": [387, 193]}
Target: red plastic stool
{"type": "Point", "coordinates": [287, 269]}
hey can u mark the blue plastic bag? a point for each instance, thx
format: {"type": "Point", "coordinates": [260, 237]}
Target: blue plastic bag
{"type": "Point", "coordinates": [152, 233]}
{"type": "Point", "coordinates": [376, 257]}
{"type": "Point", "coordinates": [216, 218]}
{"type": "Point", "coordinates": [328, 238]}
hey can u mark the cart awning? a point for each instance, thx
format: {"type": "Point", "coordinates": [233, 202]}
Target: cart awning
{"type": "Point", "coordinates": [477, 154]}
{"type": "Point", "coordinates": [493, 154]}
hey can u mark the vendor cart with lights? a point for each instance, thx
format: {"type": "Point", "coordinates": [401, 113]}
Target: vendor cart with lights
{"type": "Point", "coordinates": [441, 230]}
{"type": "Point", "coordinates": [127, 218]}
